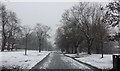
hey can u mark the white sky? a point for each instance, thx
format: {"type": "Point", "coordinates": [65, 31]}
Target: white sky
{"type": "Point", "coordinates": [42, 11]}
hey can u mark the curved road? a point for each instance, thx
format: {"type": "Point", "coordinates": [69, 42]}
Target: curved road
{"type": "Point", "coordinates": [59, 61]}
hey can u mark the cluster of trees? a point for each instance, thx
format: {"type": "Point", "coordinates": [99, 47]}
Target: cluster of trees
{"type": "Point", "coordinates": [10, 28]}
{"type": "Point", "coordinates": [112, 18]}
{"type": "Point", "coordinates": [85, 27]}
{"type": "Point", "coordinates": [35, 38]}
{"type": "Point", "coordinates": [15, 36]}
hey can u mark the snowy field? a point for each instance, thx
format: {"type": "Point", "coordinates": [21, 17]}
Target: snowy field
{"type": "Point", "coordinates": [96, 60]}
{"type": "Point", "coordinates": [19, 60]}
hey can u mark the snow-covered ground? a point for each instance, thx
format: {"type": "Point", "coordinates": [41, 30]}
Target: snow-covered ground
{"type": "Point", "coordinates": [74, 63]}
{"type": "Point", "coordinates": [71, 55]}
{"type": "Point", "coordinates": [75, 55]}
{"type": "Point", "coordinates": [18, 59]}
{"type": "Point", "coordinates": [96, 60]}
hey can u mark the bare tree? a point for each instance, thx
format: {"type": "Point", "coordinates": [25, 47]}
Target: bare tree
{"type": "Point", "coordinates": [13, 29]}
{"type": "Point", "coordinates": [79, 20]}
{"type": "Point", "coordinates": [42, 33]}
{"type": "Point", "coordinates": [81, 14]}
{"type": "Point", "coordinates": [26, 32]}
{"type": "Point", "coordinates": [4, 18]}
{"type": "Point", "coordinates": [10, 27]}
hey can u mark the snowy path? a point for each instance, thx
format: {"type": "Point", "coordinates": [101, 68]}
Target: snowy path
{"type": "Point", "coordinates": [59, 61]}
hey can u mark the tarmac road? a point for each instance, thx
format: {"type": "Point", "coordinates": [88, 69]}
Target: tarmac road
{"type": "Point", "coordinates": [59, 61]}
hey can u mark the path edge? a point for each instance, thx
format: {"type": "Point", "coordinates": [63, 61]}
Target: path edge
{"type": "Point", "coordinates": [40, 61]}
{"type": "Point", "coordinates": [90, 66]}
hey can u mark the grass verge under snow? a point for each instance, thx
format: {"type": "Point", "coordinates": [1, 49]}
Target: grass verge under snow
{"type": "Point", "coordinates": [96, 60]}
{"type": "Point", "coordinates": [17, 59]}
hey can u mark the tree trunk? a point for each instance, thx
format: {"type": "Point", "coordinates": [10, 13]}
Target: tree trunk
{"type": "Point", "coordinates": [89, 50]}
{"type": "Point", "coordinates": [39, 45]}
{"type": "Point", "coordinates": [102, 49]}
{"type": "Point", "coordinates": [77, 51]}
{"type": "Point", "coordinates": [3, 36]}
{"type": "Point", "coordinates": [3, 44]}
{"type": "Point", "coordinates": [39, 49]}
{"type": "Point", "coordinates": [12, 45]}
{"type": "Point", "coordinates": [76, 46]}
{"type": "Point", "coordinates": [3, 30]}
{"type": "Point", "coordinates": [25, 51]}
{"type": "Point", "coordinates": [8, 46]}
{"type": "Point", "coordinates": [89, 43]}
{"type": "Point", "coordinates": [72, 50]}
{"type": "Point", "coordinates": [26, 46]}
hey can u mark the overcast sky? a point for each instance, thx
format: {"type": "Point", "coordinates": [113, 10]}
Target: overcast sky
{"type": "Point", "coordinates": [46, 12]}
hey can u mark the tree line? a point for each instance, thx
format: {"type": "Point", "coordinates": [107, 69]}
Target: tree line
{"type": "Point", "coordinates": [85, 27]}
{"type": "Point", "coordinates": [15, 36]}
